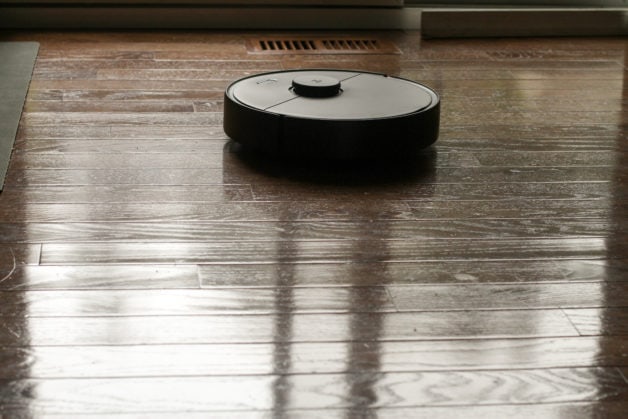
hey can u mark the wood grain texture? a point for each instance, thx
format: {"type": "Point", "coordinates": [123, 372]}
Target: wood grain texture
{"type": "Point", "coordinates": [591, 322]}
{"type": "Point", "coordinates": [177, 176]}
{"type": "Point", "coordinates": [429, 272]}
{"type": "Point", "coordinates": [113, 194]}
{"type": "Point", "coordinates": [318, 299]}
{"type": "Point", "coordinates": [143, 277]}
{"type": "Point", "coordinates": [361, 390]}
{"type": "Point", "coordinates": [581, 294]}
{"type": "Point", "coordinates": [193, 302]}
{"type": "Point", "coordinates": [370, 327]}
{"type": "Point", "coordinates": [452, 159]}
{"type": "Point", "coordinates": [200, 360]}
{"type": "Point", "coordinates": [361, 211]}
{"type": "Point", "coordinates": [576, 410]}
{"type": "Point", "coordinates": [318, 251]}
{"type": "Point", "coordinates": [580, 193]}
{"type": "Point", "coordinates": [14, 255]}
{"type": "Point", "coordinates": [151, 268]}
{"type": "Point", "coordinates": [311, 230]}
{"type": "Point", "coordinates": [62, 135]}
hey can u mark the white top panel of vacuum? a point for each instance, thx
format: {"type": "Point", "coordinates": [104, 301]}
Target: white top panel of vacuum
{"type": "Point", "coordinates": [329, 94]}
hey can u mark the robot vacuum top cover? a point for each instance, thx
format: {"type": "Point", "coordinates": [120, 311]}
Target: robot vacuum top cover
{"type": "Point", "coordinates": [330, 114]}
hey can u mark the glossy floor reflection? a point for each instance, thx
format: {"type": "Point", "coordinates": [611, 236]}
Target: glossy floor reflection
{"type": "Point", "coordinates": [151, 268]}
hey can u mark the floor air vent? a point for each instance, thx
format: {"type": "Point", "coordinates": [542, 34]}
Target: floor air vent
{"type": "Point", "coordinates": [279, 45]}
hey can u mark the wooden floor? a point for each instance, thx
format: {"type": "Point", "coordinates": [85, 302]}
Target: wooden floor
{"type": "Point", "coordinates": [149, 269]}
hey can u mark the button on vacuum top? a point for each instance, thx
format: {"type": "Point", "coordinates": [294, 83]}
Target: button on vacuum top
{"type": "Point", "coordinates": [316, 86]}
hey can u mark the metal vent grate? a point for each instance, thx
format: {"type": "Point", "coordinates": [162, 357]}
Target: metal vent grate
{"type": "Point", "coordinates": [351, 44]}
{"type": "Point", "coordinates": [341, 45]}
{"type": "Point", "coordinates": [286, 45]}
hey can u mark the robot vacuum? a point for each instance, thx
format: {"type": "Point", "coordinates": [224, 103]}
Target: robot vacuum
{"type": "Point", "coordinates": [331, 114]}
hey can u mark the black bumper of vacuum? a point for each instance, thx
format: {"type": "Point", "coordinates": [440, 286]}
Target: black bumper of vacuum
{"type": "Point", "coordinates": [290, 137]}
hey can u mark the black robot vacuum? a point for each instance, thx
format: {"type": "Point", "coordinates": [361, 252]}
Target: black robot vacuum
{"type": "Point", "coordinates": [331, 114]}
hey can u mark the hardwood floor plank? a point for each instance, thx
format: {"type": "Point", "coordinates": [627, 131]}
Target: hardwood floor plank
{"type": "Point", "coordinates": [141, 277]}
{"type": "Point", "coordinates": [530, 104]}
{"type": "Point", "coordinates": [56, 303]}
{"type": "Point", "coordinates": [32, 177]}
{"type": "Point", "coordinates": [43, 102]}
{"type": "Point", "coordinates": [139, 43]}
{"type": "Point", "coordinates": [546, 49]}
{"type": "Point", "coordinates": [120, 194]}
{"type": "Point", "coordinates": [522, 296]}
{"type": "Point", "coordinates": [27, 159]}
{"type": "Point", "coordinates": [372, 273]}
{"type": "Point", "coordinates": [13, 255]}
{"type": "Point", "coordinates": [575, 410]}
{"type": "Point", "coordinates": [176, 74]}
{"type": "Point", "coordinates": [144, 212]}
{"type": "Point", "coordinates": [601, 321]}
{"type": "Point", "coordinates": [548, 66]}
{"type": "Point", "coordinates": [543, 118]}
{"type": "Point", "coordinates": [129, 133]}
{"type": "Point", "coordinates": [579, 193]}
{"type": "Point", "coordinates": [130, 85]}
{"type": "Point", "coordinates": [317, 391]}
{"type": "Point", "coordinates": [494, 137]}
{"type": "Point", "coordinates": [513, 85]}
{"type": "Point", "coordinates": [530, 209]}
{"type": "Point", "coordinates": [225, 231]}
{"type": "Point", "coordinates": [443, 75]}
{"type": "Point", "coordinates": [246, 329]}
{"type": "Point", "coordinates": [315, 210]}
{"type": "Point", "coordinates": [44, 95]}
{"type": "Point", "coordinates": [70, 52]}
{"type": "Point", "coordinates": [505, 73]}
{"type": "Point", "coordinates": [123, 119]}
{"type": "Point", "coordinates": [175, 176]}
{"type": "Point", "coordinates": [122, 161]}
{"type": "Point", "coordinates": [126, 96]}
{"type": "Point", "coordinates": [46, 362]}
{"type": "Point", "coordinates": [85, 74]}
{"type": "Point", "coordinates": [128, 145]}
{"type": "Point", "coordinates": [559, 132]}
{"type": "Point", "coordinates": [478, 192]}
{"type": "Point", "coordinates": [249, 66]}
{"type": "Point", "coordinates": [28, 133]}
{"type": "Point", "coordinates": [332, 251]}
{"type": "Point", "coordinates": [544, 159]}
{"type": "Point", "coordinates": [527, 98]}
{"type": "Point", "coordinates": [518, 144]}
{"type": "Point", "coordinates": [111, 106]}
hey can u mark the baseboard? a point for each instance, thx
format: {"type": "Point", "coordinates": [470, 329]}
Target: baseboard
{"type": "Point", "coordinates": [455, 23]}
{"type": "Point", "coordinates": [433, 22]}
